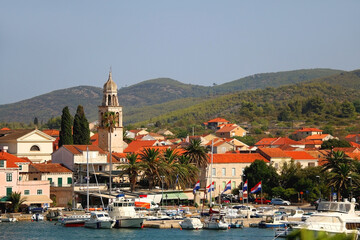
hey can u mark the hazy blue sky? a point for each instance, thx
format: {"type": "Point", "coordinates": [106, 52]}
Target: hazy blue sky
{"type": "Point", "coordinates": [49, 45]}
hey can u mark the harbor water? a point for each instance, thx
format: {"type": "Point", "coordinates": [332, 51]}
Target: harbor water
{"type": "Point", "coordinates": [51, 230]}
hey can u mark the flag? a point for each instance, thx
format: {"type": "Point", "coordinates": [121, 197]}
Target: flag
{"type": "Point", "coordinates": [211, 187]}
{"type": "Point", "coordinates": [256, 188]}
{"type": "Point", "coordinates": [245, 192]}
{"type": "Point", "coordinates": [197, 186]}
{"type": "Point", "coordinates": [245, 186]}
{"type": "Point", "coordinates": [227, 186]}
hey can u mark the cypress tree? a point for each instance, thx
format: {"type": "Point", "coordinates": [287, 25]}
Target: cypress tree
{"type": "Point", "coordinates": [81, 131]}
{"type": "Point", "coordinates": [66, 137]}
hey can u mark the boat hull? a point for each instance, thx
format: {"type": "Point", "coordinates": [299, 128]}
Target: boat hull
{"type": "Point", "coordinates": [129, 223]}
{"type": "Point", "coordinates": [100, 224]}
{"type": "Point", "coordinates": [74, 223]}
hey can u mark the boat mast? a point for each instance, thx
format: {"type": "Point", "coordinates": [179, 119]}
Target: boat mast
{"type": "Point", "coordinates": [87, 178]}
{"type": "Point", "coordinates": [211, 163]}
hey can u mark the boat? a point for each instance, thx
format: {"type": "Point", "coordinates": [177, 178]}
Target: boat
{"type": "Point", "coordinates": [122, 211]}
{"type": "Point", "coordinates": [217, 222]}
{"type": "Point", "coordinates": [37, 217]}
{"type": "Point", "coordinates": [282, 232]}
{"type": "Point", "coordinates": [8, 219]}
{"type": "Point", "coordinates": [274, 221]}
{"type": "Point", "coordinates": [191, 223]}
{"type": "Point", "coordinates": [237, 224]}
{"type": "Point", "coordinates": [333, 218]}
{"type": "Point", "coordinates": [99, 219]}
{"type": "Point", "coordinates": [75, 220]}
{"type": "Point", "coordinates": [54, 214]}
{"type": "Point", "coordinates": [296, 214]}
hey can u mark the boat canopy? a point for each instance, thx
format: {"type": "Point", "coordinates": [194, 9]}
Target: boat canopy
{"type": "Point", "coordinates": [343, 207]}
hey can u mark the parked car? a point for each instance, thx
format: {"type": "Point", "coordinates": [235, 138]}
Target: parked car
{"type": "Point", "coordinates": [261, 201]}
{"type": "Point", "coordinates": [316, 202]}
{"type": "Point", "coordinates": [279, 201]}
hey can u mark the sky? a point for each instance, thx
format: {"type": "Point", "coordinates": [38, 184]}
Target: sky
{"type": "Point", "coordinates": [50, 45]}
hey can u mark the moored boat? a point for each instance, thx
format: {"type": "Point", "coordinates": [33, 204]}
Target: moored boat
{"type": "Point", "coordinates": [122, 211]}
{"type": "Point", "coordinates": [99, 219]}
{"type": "Point", "coordinates": [274, 221]}
{"type": "Point", "coordinates": [37, 217]}
{"type": "Point", "coordinates": [217, 222]}
{"type": "Point", "coordinates": [191, 223]}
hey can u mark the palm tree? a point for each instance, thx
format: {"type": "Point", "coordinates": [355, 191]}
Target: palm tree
{"type": "Point", "coordinates": [16, 200]}
{"type": "Point", "coordinates": [196, 153]}
{"type": "Point", "coordinates": [132, 169]}
{"type": "Point", "coordinates": [187, 172]}
{"type": "Point", "coordinates": [341, 170]}
{"type": "Point", "coordinates": [153, 166]}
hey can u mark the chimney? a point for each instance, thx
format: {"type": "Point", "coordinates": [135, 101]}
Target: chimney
{"type": "Point", "coordinates": [4, 148]}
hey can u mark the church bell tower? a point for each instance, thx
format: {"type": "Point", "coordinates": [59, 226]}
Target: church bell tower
{"type": "Point", "coordinates": [110, 113]}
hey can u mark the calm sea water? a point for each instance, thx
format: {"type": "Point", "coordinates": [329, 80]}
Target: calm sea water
{"type": "Point", "coordinates": [48, 230]}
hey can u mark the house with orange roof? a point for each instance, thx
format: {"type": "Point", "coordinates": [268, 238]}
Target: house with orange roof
{"type": "Point", "coordinates": [320, 137]}
{"type": "Point", "coordinates": [30, 143]}
{"type": "Point", "coordinates": [137, 145]}
{"type": "Point", "coordinates": [303, 158]}
{"type": "Point", "coordinates": [305, 132]}
{"type": "Point", "coordinates": [239, 145]}
{"type": "Point", "coordinates": [229, 166]}
{"type": "Point", "coordinates": [230, 130]}
{"type": "Point", "coordinates": [276, 156]}
{"type": "Point", "coordinates": [215, 123]}
{"type": "Point", "coordinates": [311, 143]}
{"type": "Point", "coordinates": [35, 192]}
{"type": "Point", "coordinates": [165, 132]}
{"type": "Point", "coordinates": [347, 149]}
{"type": "Point", "coordinates": [277, 142]}
{"type": "Point", "coordinates": [353, 138]}
{"type": "Point", "coordinates": [55, 134]}
{"type": "Point", "coordinates": [132, 134]}
{"type": "Point", "coordinates": [353, 156]}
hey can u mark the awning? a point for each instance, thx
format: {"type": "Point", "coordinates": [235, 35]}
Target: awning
{"type": "Point", "coordinates": [190, 195]}
{"type": "Point", "coordinates": [175, 196]}
{"type": "Point", "coordinates": [4, 200]}
{"type": "Point", "coordinates": [37, 199]}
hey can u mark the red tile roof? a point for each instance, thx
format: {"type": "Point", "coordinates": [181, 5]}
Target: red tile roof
{"type": "Point", "coordinates": [218, 120]}
{"type": "Point", "coordinates": [136, 145]}
{"type": "Point", "coordinates": [49, 168]}
{"type": "Point", "coordinates": [94, 139]}
{"type": "Point", "coordinates": [347, 149]}
{"type": "Point", "coordinates": [354, 156]}
{"type": "Point", "coordinates": [227, 128]}
{"type": "Point", "coordinates": [276, 141]}
{"type": "Point", "coordinates": [354, 144]}
{"type": "Point", "coordinates": [78, 149]}
{"type": "Point", "coordinates": [300, 155]}
{"type": "Point", "coordinates": [51, 132]}
{"type": "Point", "coordinates": [273, 153]}
{"type": "Point", "coordinates": [236, 158]}
{"type": "Point", "coordinates": [308, 130]}
{"type": "Point", "coordinates": [311, 142]}
{"type": "Point", "coordinates": [5, 128]}
{"type": "Point", "coordinates": [11, 160]}
{"type": "Point", "coordinates": [317, 137]}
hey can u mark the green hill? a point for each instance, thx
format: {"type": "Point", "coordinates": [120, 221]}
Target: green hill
{"type": "Point", "coordinates": [144, 100]}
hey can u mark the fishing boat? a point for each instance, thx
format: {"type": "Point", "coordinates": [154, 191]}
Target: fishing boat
{"type": "Point", "coordinates": [122, 211]}
{"type": "Point", "coordinates": [99, 219]}
{"type": "Point", "coordinates": [334, 218]}
{"type": "Point", "coordinates": [191, 223]}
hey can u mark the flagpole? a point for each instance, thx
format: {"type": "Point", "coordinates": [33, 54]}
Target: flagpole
{"type": "Point", "coordinates": [261, 192]}
{"type": "Point", "coordinates": [247, 198]}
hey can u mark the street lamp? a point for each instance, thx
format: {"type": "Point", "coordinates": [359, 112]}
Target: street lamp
{"type": "Point", "coordinates": [162, 189]}
{"type": "Point", "coordinates": [351, 195]}
{"type": "Point", "coordinates": [318, 177]}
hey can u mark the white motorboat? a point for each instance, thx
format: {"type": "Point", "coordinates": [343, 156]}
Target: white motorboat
{"type": "Point", "coordinates": [217, 222]}
{"type": "Point", "coordinates": [37, 217]}
{"type": "Point", "coordinates": [191, 223]}
{"type": "Point", "coordinates": [334, 218]}
{"type": "Point", "coordinates": [8, 219]}
{"type": "Point", "coordinates": [122, 211]}
{"type": "Point", "coordinates": [296, 214]}
{"type": "Point", "coordinates": [99, 219]}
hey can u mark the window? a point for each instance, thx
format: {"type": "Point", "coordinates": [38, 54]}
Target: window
{"type": "Point", "coordinates": [34, 148]}
{"type": "Point", "coordinates": [20, 178]}
{"type": "Point", "coordinates": [276, 165]}
{"type": "Point", "coordinates": [2, 163]}
{"type": "Point", "coordinates": [100, 168]}
{"type": "Point", "coordinates": [50, 180]}
{"type": "Point", "coordinates": [223, 171]}
{"type": "Point", "coordinates": [8, 191]}
{"type": "Point", "coordinates": [27, 192]}
{"type": "Point", "coordinates": [20, 167]}
{"type": "Point", "coordinates": [233, 172]}
{"type": "Point", "coordinates": [311, 164]}
{"type": "Point", "coordinates": [233, 184]}
{"type": "Point", "coordinates": [59, 182]}
{"type": "Point", "coordinates": [69, 180]}
{"type": "Point", "coordinates": [223, 184]}
{"type": "Point", "coordinates": [9, 177]}
{"type": "Point", "coordinates": [39, 192]}
{"type": "Point", "coordinates": [214, 172]}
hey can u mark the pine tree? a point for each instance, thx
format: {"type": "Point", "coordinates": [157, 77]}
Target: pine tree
{"type": "Point", "coordinates": [81, 131]}
{"type": "Point", "coordinates": [66, 137]}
